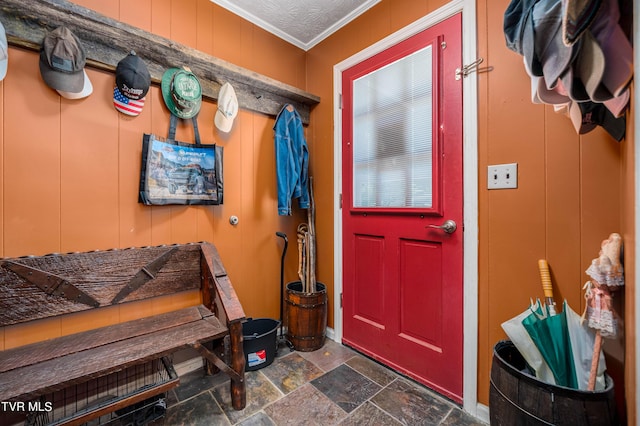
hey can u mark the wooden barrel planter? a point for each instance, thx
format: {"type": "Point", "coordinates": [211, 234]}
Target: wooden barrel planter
{"type": "Point", "coordinates": [518, 398]}
{"type": "Point", "coordinates": [306, 316]}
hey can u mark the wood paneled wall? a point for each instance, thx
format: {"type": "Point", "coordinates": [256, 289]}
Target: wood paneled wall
{"type": "Point", "coordinates": [70, 168]}
{"type": "Point", "coordinates": [629, 218]}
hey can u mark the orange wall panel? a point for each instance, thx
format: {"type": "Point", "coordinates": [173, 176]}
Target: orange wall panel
{"type": "Point", "coordinates": [173, 302]}
{"type": "Point", "coordinates": [485, 351]}
{"type": "Point", "coordinates": [183, 16]}
{"type": "Point", "coordinates": [136, 13]}
{"type": "Point", "coordinates": [107, 8]}
{"type": "Point", "coordinates": [89, 319]}
{"type": "Point", "coordinates": [35, 331]}
{"type": "Point", "coordinates": [281, 61]}
{"type": "Point", "coordinates": [411, 11]}
{"type": "Point", "coordinates": [89, 169]}
{"type": "Point", "coordinates": [204, 26]}
{"type": "Point", "coordinates": [134, 218]}
{"type": "Point", "coordinates": [136, 310]}
{"type": "Point", "coordinates": [227, 37]}
{"type": "Point", "coordinates": [161, 17]}
{"type": "Point", "coordinates": [562, 205]}
{"type": "Point", "coordinates": [230, 247]}
{"type": "Point", "coordinates": [600, 182]}
{"type": "Point", "coordinates": [375, 25]}
{"type": "Point", "coordinates": [628, 227]}
{"type": "Point", "coordinates": [31, 175]}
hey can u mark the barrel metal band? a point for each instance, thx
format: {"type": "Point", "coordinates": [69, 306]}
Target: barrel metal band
{"type": "Point", "coordinates": [292, 336]}
{"type": "Point", "coordinates": [302, 305]}
{"type": "Point", "coordinates": [517, 406]}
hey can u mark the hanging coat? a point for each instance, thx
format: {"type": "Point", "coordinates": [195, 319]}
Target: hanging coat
{"type": "Point", "coordinates": [292, 160]}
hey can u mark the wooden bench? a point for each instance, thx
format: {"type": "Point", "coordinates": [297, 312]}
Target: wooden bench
{"type": "Point", "coordinates": [105, 369]}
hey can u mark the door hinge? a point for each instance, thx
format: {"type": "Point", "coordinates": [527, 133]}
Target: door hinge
{"type": "Point", "coordinates": [340, 300]}
{"type": "Point", "coordinates": [340, 100]}
{"type": "Point", "coordinates": [340, 201]}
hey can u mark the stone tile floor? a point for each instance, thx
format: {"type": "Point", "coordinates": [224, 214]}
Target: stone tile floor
{"type": "Point", "coordinates": [331, 386]}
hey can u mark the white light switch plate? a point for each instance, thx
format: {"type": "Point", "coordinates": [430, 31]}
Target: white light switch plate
{"type": "Point", "coordinates": [502, 176]}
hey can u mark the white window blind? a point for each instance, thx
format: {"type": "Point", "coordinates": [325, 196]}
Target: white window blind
{"type": "Point", "coordinates": [392, 134]}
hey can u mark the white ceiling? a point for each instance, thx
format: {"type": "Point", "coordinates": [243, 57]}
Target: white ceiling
{"type": "Point", "coordinates": [303, 23]}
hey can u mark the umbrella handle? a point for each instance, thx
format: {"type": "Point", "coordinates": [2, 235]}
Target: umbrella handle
{"type": "Point", "coordinates": [595, 358]}
{"type": "Point", "coordinates": [547, 287]}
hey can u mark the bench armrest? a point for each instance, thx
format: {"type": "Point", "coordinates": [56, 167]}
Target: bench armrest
{"type": "Point", "coordinates": [219, 296]}
{"type": "Point", "coordinates": [218, 293]}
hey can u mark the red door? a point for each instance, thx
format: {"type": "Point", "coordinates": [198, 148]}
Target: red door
{"type": "Point", "coordinates": [402, 207]}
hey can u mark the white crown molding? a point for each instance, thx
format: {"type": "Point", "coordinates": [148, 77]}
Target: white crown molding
{"type": "Point", "coordinates": [246, 14]}
{"type": "Point", "coordinates": [342, 22]}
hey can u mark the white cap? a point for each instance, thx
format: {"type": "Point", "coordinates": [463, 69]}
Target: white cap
{"type": "Point", "coordinates": [4, 53]}
{"type": "Point", "coordinates": [227, 108]}
{"type": "Point", "coordinates": [87, 89]}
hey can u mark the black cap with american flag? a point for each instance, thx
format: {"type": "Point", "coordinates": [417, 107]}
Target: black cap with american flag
{"type": "Point", "coordinates": [132, 84]}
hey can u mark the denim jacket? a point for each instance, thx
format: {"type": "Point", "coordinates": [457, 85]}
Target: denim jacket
{"type": "Point", "coordinates": [292, 160]}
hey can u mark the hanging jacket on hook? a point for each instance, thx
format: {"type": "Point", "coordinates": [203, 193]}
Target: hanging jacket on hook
{"type": "Point", "coordinates": [292, 160]}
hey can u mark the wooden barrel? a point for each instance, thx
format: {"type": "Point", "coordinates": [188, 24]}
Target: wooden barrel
{"type": "Point", "coordinates": [518, 398]}
{"type": "Point", "coordinates": [306, 316]}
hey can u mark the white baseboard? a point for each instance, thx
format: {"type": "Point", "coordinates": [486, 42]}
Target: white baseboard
{"type": "Point", "coordinates": [331, 334]}
{"type": "Point", "coordinates": [482, 413]}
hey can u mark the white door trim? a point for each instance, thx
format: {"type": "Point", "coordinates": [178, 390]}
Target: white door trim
{"type": "Point", "coordinates": [470, 171]}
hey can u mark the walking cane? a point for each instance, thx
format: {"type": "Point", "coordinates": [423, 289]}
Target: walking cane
{"type": "Point", "coordinates": [284, 252]}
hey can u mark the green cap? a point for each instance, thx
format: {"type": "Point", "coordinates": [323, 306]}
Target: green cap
{"type": "Point", "coordinates": [181, 92]}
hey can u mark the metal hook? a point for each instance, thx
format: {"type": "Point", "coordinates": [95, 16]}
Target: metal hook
{"type": "Point", "coordinates": [469, 68]}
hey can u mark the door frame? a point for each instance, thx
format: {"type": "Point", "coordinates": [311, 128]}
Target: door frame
{"type": "Point", "coordinates": [470, 185]}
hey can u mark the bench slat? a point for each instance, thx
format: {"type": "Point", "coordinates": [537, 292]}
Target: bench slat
{"type": "Point", "coordinates": [99, 274]}
{"type": "Point", "coordinates": [65, 345]}
{"type": "Point", "coordinates": [34, 380]}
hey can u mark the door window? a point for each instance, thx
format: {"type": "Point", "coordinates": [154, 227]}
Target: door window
{"type": "Point", "coordinates": [392, 134]}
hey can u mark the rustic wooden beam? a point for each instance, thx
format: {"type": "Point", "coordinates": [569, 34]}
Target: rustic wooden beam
{"type": "Point", "coordinates": [107, 41]}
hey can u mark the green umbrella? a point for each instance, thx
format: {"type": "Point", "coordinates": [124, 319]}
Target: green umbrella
{"type": "Point", "coordinates": [526, 346]}
{"type": "Point", "coordinates": [551, 336]}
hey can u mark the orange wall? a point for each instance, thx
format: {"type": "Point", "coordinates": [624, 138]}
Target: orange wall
{"type": "Point", "coordinates": [70, 168]}
{"type": "Point", "coordinates": [569, 195]}
{"type": "Point", "coordinates": [629, 231]}
{"type": "Point", "coordinates": [36, 331]}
